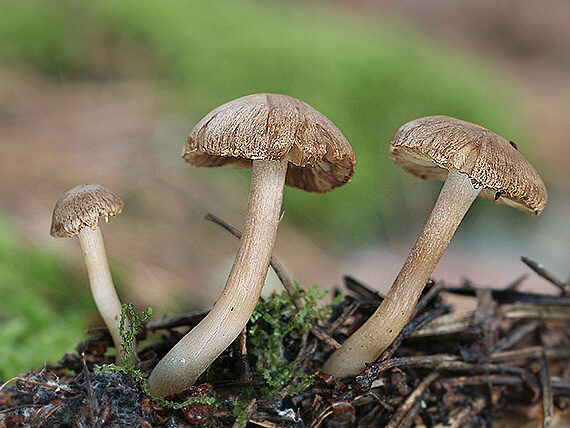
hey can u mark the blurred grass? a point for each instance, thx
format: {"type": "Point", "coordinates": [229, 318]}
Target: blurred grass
{"type": "Point", "coordinates": [43, 311]}
{"type": "Point", "coordinates": [368, 75]}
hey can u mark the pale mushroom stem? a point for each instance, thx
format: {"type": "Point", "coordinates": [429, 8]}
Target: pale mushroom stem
{"type": "Point", "coordinates": [102, 287]}
{"type": "Point", "coordinates": [380, 330]}
{"type": "Point", "coordinates": [181, 367]}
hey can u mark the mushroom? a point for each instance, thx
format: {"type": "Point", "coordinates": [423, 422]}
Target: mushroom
{"type": "Point", "coordinates": [473, 161]}
{"type": "Point", "coordinates": [77, 213]}
{"type": "Point", "coordinates": [284, 140]}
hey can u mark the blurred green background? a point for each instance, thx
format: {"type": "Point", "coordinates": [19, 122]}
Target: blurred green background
{"type": "Point", "coordinates": [108, 91]}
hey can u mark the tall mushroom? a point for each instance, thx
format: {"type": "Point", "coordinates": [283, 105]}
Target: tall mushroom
{"type": "Point", "coordinates": [473, 161]}
{"type": "Point", "coordinates": [284, 140]}
{"type": "Point", "coordinates": [77, 213]}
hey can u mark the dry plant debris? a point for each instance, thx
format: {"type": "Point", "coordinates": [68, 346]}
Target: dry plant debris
{"type": "Point", "coordinates": [503, 364]}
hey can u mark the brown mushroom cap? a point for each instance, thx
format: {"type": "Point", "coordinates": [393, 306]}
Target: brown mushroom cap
{"type": "Point", "coordinates": [429, 147]}
{"type": "Point", "coordinates": [82, 207]}
{"type": "Point", "coordinates": [274, 127]}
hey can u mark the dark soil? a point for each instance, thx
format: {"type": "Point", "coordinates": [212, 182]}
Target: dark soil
{"type": "Point", "coordinates": [506, 363]}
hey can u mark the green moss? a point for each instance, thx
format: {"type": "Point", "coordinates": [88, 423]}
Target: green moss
{"type": "Point", "coordinates": [135, 322]}
{"type": "Point", "coordinates": [239, 411]}
{"type": "Point", "coordinates": [272, 322]}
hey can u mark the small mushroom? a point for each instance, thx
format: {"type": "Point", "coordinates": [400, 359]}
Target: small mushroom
{"type": "Point", "coordinates": [284, 140]}
{"type": "Point", "coordinates": [473, 161]}
{"type": "Point", "coordinates": [77, 213]}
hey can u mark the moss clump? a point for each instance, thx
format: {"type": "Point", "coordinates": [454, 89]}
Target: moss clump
{"type": "Point", "coordinates": [135, 322]}
{"type": "Point", "coordinates": [275, 321]}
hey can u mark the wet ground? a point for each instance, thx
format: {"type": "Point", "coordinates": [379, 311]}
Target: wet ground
{"type": "Point", "coordinates": [502, 364]}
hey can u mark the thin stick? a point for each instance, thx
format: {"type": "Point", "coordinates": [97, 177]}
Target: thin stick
{"type": "Point", "coordinates": [363, 291]}
{"type": "Point", "coordinates": [510, 296]}
{"type": "Point", "coordinates": [51, 412]}
{"type": "Point", "coordinates": [8, 381]}
{"type": "Point", "coordinates": [407, 407]}
{"type": "Point", "coordinates": [275, 265]}
{"type": "Point", "coordinates": [42, 384]}
{"type": "Point", "coordinates": [246, 375]}
{"type": "Point", "coordinates": [540, 312]}
{"type": "Point", "coordinates": [288, 284]}
{"type": "Point", "coordinates": [515, 336]}
{"type": "Point", "coordinates": [187, 319]}
{"type": "Point", "coordinates": [513, 286]}
{"type": "Point", "coordinates": [446, 324]}
{"type": "Point", "coordinates": [438, 361]}
{"type": "Point", "coordinates": [541, 271]}
{"type": "Point", "coordinates": [547, 403]}
{"type": "Point", "coordinates": [465, 415]}
{"type": "Point", "coordinates": [413, 326]}
{"type": "Point", "coordinates": [93, 405]}
{"type": "Point", "coordinates": [432, 292]}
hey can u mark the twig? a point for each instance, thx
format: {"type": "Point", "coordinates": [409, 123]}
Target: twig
{"type": "Point", "coordinates": [547, 402]}
{"type": "Point", "coordinates": [446, 324]}
{"type": "Point", "coordinates": [534, 352]}
{"type": "Point", "coordinates": [249, 410]}
{"type": "Point", "coordinates": [541, 271]}
{"type": "Point", "coordinates": [321, 416]}
{"type": "Point", "coordinates": [440, 361]}
{"type": "Point", "coordinates": [560, 386]}
{"type": "Point", "coordinates": [417, 322]}
{"type": "Point", "coordinates": [407, 410]}
{"type": "Point", "coordinates": [513, 286]}
{"type": "Point", "coordinates": [413, 326]}
{"type": "Point", "coordinates": [51, 412]}
{"type": "Point", "coordinates": [187, 319]}
{"type": "Point", "coordinates": [432, 292]}
{"type": "Point", "coordinates": [10, 380]}
{"type": "Point", "coordinates": [515, 336]}
{"type": "Point", "coordinates": [462, 381]}
{"type": "Point", "coordinates": [56, 387]}
{"type": "Point", "coordinates": [347, 312]}
{"type": "Point", "coordinates": [361, 290]}
{"type": "Point", "coordinates": [283, 277]}
{"type": "Point", "coordinates": [93, 405]}
{"type": "Point", "coordinates": [288, 284]}
{"type": "Point", "coordinates": [465, 415]}
{"type": "Point", "coordinates": [541, 312]}
{"type": "Point", "coordinates": [308, 353]}
{"type": "Point", "coordinates": [246, 374]}
{"type": "Point", "coordinates": [322, 336]}
{"type": "Point", "coordinates": [511, 296]}
{"type": "Point", "coordinates": [381, 401]}
{"type": "Point", "coordinates": [483, 317]}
